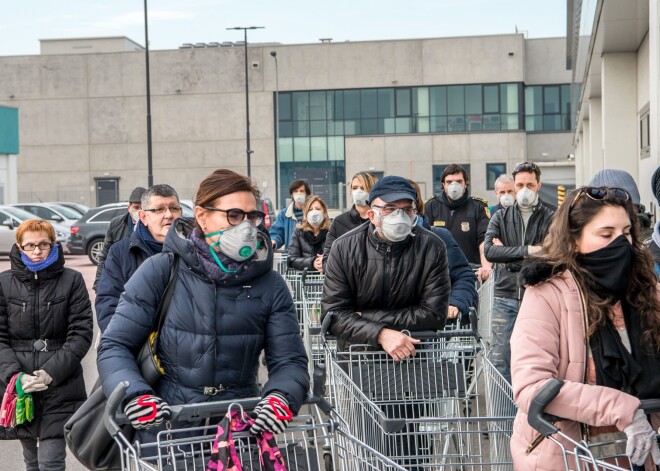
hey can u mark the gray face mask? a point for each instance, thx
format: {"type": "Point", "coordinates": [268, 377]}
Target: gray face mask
{"type": "Point", "coordinates": [135, 216]}
{"type": "Point", "coordinates": [315, 217]}
{"type": "Point", "coordinates": [527, 197]}
{"type": "Point", "coordinates": [455, 191]}
{"type": "Point", "coordinates": [396, 226]}
{"type": "Point", "coordinates": [360, 197]}
{"type": "Point", "coordinates": [238, 243]}
{"type": "Point", "coordinates": [506, 200]}
{"type": "Point", "coordinates": [299, 198]}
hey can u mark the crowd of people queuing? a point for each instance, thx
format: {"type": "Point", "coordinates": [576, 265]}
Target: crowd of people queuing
{"type": "Point", "coordinates": [576, 298]}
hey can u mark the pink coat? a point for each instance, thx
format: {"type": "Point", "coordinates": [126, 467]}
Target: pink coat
{"type": "Point", "coordinates": [548, 341]}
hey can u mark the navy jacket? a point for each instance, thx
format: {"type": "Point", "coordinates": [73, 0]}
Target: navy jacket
{"type": "Point", "coordinates": [122, 261]}
{"type": "Point", "coordinates": [212, 334]}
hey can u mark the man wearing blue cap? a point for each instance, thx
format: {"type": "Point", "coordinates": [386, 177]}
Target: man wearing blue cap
{"type": "Point", "coordinates": [387, 275]}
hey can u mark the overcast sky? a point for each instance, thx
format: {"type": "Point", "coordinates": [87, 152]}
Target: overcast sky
{"type": "Point", "coordinates": [172, 23]}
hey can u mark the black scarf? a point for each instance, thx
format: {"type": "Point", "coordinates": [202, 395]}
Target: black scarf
{"type": "Point", "coordinates": [609, 268]}
{"type": "Point", "coordinates": [636, 372]}
{"type": "Point", "coordinates": [455, 204]}
{"type": "Point", "coordinates": [316, 242]}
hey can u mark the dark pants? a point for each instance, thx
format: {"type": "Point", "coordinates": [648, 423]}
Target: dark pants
{"type": "Point", "coordinates": [50, 455]}
{"type": "Point", "coordinates": [505, 312]}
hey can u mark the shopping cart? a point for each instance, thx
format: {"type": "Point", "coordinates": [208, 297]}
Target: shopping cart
{"type": "Point", "coordinates": [280, 262]}
{"type": "Point", "coordinates": [312, 291]}
{"type": "Point", "coordinates": [485, 292]}
{"type": "Point", "coordinates": [306, 445]}
{"type": "Point", "coordinates": [295, 280]}
{"type": "Point", "coordinates": [429, 411]}
{"type": "Point", "coordinates": [579, 455]}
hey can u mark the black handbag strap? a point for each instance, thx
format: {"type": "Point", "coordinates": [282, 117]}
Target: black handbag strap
{"type": "Point", "coordinates": [164, 303]}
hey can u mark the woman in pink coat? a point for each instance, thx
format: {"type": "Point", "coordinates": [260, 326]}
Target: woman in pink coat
{"type": "Point", "coordinates": [590, 316]}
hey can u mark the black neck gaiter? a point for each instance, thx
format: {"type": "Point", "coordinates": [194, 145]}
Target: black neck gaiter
{"type": "Point", "coordinates": [609, 267]}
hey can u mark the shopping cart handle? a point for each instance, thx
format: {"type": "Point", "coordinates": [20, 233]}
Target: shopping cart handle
{"type": "Point", "coordinates": [325, 327]}
{"type": "Point", "coordinates": [111, 406]}
{"type": "Point", "coordinates": [650, 405]}
{"type": "Point", "coordinates": [473, 331]}
{"type": "Point", "coordinates": [536, 417]}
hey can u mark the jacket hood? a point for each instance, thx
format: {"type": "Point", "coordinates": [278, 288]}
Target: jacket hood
{"type": "Point", "coordinates": [536, 270]}
{"type": "Point", "coordinates": [22, 273]}
{"type": "Point", "coordinates": [177, 242]}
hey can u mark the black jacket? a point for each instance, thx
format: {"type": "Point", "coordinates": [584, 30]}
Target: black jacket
{"type": "Point", "coordinates": [120, 227]}
{"type": "Point", "coordinates": [53, 305]}
{"type": "Point", "coordinates": [507, 226]}
{"type": "Point", "coordinates": [466, 219]}
{"type": "Point", "coordinates": [304, 247]}
{"type": "Point", "coordinates": [342, 224]}
{"type": "Point", "coordinates": [402, 285]}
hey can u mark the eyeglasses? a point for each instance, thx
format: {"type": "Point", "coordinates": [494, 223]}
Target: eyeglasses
{"type": "Point", "coordinates": [161, 211]}
{"type": "Point", "coordinates": [387, 210]}
{"type": "Point", "coordinates": [526, 167]}
{"type": "Point", "coordinates": [43, 246]}
{"type": "Point", "coordinates": [236, 216]}
{"type": "Point", "coordinates": [600, 193]}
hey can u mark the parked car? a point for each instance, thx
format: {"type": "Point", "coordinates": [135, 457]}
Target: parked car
{"type": "Point", "coordinates": [50, 212]}
{"type": "Point", "coordinates": [11, 218]}
{"type": "Point", "coordinates": [78, 207]}
{"type": "Point", "coordinates": [88, 232]}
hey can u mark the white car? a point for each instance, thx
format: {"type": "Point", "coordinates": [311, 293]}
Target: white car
{"type": "Point", "coordinates": [11, 217]}
{"type": "Point", "coordinates": [50, 212]}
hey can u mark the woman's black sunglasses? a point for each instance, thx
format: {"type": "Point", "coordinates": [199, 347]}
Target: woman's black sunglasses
{"type": "Point", "coordinates": [597, 193]}
{"type": "Point", "coordinates": [236, 216]}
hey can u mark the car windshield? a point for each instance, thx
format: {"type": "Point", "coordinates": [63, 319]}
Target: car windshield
{"type": "Point", "coordinates": [18, 213]}
{"type": "Point", "coordinates": [66, 212]}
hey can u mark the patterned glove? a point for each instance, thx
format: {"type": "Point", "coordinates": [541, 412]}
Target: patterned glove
{"type": "Point", "coordinates": [272, 414]}
{"type": "Point", "coordinates": [147, 411]}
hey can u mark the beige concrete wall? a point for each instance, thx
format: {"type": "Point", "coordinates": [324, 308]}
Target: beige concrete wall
{"type": "Point", "coordinates": [545, 61]}
{"type": "Point", "coordinates": [88, 45]}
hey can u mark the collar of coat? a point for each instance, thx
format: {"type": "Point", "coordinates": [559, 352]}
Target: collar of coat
{"type": "Point", "coordinates": [21, 272]}
{"type": "Point", "coordinates": [382, 245]}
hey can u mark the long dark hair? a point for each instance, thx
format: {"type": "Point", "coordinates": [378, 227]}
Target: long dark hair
{"type": "Point", "coordinates": [560, 251]}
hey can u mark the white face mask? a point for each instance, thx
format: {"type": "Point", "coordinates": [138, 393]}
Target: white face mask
{"type": "Point", "coordinates": [396, 226]}
{"type": "Point", "coordinates": [135, 216]}
{"type": "Point", "coordinates": [526, 197]}
{"type": "Point", "coordinates": [360, 197]}
{"type": "Point", "coordinates": [238, 243]}
{"type": "Point", "coordinates": [506, 200]}
{"type": "Point", "coordinates": [455, 191]}
{"type": "Point", "coordinates": [315, 217]}
{"type": "Point", "coordinates": [299, 198]}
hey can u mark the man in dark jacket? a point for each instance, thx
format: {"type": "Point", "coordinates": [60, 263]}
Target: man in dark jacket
{"type": "Point", "coordinates": [387, 275]}
{"type": "Point", "coordinates": [160, 207]}
{"type": "Point", "coordinates": [119, 228]}
{"type": "Point", "coordinates": [465, 216]}
{"type": "Point", "coordinates": [514, 234]}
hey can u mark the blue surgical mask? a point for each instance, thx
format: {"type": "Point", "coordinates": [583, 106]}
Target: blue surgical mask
{"type": "Point", "coordinates": [238, 243]}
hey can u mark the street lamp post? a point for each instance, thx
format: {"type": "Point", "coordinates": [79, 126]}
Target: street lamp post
{"type": "Point", "coordinates": [150, 171]}
{"type": "Point", "coordinates": [247, 93]}
{"type": "Point", "coordinates": [277, 130]}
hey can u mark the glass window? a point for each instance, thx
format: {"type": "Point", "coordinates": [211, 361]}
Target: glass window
{"type": "Point", "coordinates": [284, 106]}
{"type": "Point", "coordinates": [551, 122]}
{"type": "Point", "coordinates": [286, 129]}
{"type": "Point", "coordinates": [551, 102]}
{"type": "Point", "coordinates": [300, 106]}
{"type": "Point", "coordinates": [300, 128]}
{"type": "Point", "coordinates": [369, 126]}
{"type": "Point", "coordinates": [422, 124]}
{"type": "Point", "coordinates": [317, 105]}
{"type": "Point", "coordinates": [369, 103]}
{"type": "Point", "coordinates": [509, 98]}
{"type": "Point", "coordinates": [336, 148]}
{"type": "Point", "coordinates": [386, 103]}
{"type": "Point", "coordinates": [491, 122]}
{"type": "Point", "coordinates": [566, 99]}
{"type": "Point", "coordinates": [420, 101]}
{"type": "Point", "coordinates": [403, 105]}
{"type": "Point", "coordinates": [473, 99]}
{"type": "Point", "coordinates": [351, 127]}
{"type": "Point", "coordinates": [301, 149]}
{"type": "Point", "coordinates": [107, 215]}
{"type": "Point", "coordinates": [403, 125]}
{"type": "Point", "coordinates": [438, 124]}
{"type": "Point", "coordinates": [319, 148]}
{"type": "Point", "coordinates": [329, 104]}
{"type": "Point", "coordinates": [286, 149]}
{"type": "Point", "coordinates": [493, 171]}
{"type": "Point", "coordinates": [455, 101]}
{"type": "Point", "coordinates": [533, 100]}
{"type": "Point", "coordinates": [335, 128]}
{"type": "Point", "coordinates": [534, 123]}
{"type": "Point", "coordinates": [510, 121]}
{"type": "Point", "coordinates": [351, 104]}
{"type": "Point", "coordinates": [387, 126]}
{"type": "Point", "coordinates": [338, 109]}
{"type": "Point", "coordinates": [491, 99]}
{"type": "Point", "coordinates": [455, 123]}
{"type": "Point", "coordinates": [438, 101]}
{"type": "Point", "coordinates": [474, 122]}
{"type": "Point", "coordinates": [318, 128]}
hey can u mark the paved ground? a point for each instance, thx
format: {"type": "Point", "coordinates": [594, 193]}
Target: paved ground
{"type": "Point", "coordinates": [11, 457]}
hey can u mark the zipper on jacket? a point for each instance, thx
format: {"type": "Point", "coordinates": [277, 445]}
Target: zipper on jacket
{"type": "Point", "coordinates": [24, 305]}
{"type": "Point", "coordinates": [386, 284]}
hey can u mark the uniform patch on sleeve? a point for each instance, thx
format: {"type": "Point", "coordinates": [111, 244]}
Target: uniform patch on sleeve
{"type": "Point", "coordinates": [438, 223]}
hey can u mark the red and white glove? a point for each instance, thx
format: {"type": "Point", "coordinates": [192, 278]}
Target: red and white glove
{"type": "Point", "coordinates": [272, 414]}
{"type": "Point", "coordinates": [147, 411]}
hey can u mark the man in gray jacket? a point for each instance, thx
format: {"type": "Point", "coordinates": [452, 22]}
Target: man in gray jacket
{"type": "Point", "coordinates": [513, 234]}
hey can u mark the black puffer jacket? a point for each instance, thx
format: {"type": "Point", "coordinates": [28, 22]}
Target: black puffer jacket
{"type": "Point", "coordinates": [53, 305]}
{"type": "Point", "coordinates": [120, 227]}
{"type": "Point", "coordinates": [304, 247]}
{"type": "Point", "coordinates": [342, 224]}
{"type": "Point", "coordinates": [507, 226]}
{"type": "Point", "coordinates": [402, 285]}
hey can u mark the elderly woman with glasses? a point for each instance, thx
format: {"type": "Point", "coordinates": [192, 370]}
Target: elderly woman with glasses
{"type": "Point", "coordinates": [227, 306]}
{"type": "Point", "coordinates": [45, 331]}
{"type": "Point", "coordinates": [590, 317]}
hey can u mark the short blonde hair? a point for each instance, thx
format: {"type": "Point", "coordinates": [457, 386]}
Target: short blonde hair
{"type": "Point", "coordinates": [35, 225]}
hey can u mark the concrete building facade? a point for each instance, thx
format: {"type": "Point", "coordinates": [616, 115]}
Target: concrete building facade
{"type": "Point", "coordinates": [406, 107]}
{"type": "Point", "coordinates": [614, 51]}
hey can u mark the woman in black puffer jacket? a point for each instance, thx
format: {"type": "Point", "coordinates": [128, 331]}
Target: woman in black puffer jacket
{"type": "Point", "coordinates": [45, 331]}
{"type": "Point", "coordinates": [306, 249]}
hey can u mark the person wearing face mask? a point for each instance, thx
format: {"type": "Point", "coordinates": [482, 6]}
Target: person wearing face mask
{"type": "Point", "coordinates": [228, 305]}
{"type": "Point", "coordinates": [160, 207]}
{"type": "Point", "coordinates": [306, 249]}
{"type": "Point", "coordinates": [120, 228]}
{"type": "Point", "coordinates": [590, 317]}
{"type": "Point", "coordinates": [287, 220]}
{"type": "Point", "coordinates": [361, 185]}
{"type": "Point", "coordinates": [387, 275]}
{"type": "Point", "coordinates": [465, 216]}
{"type": "Point", "coordinates": [505, 192]}
{"type": "Point", "coordinates": [514, 234]}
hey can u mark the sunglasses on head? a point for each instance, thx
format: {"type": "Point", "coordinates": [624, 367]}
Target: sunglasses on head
{"type": "Point", "coordinates": [598, 193]}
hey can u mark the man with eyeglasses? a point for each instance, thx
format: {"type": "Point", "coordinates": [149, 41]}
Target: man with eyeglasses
{"type": "Point", "coordinates": [465, 216]}
{"type": "Point", "coordinates": [514, 234]}
{"type": "Point", "coordinates": [387, 275]}
{"type": "Point", "coordinates": [120, 227]}
{"type": "Point", "coordinates": [160, 207]}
